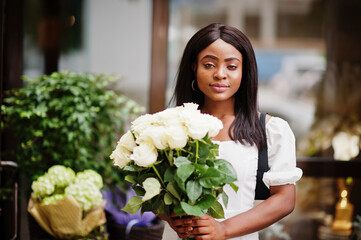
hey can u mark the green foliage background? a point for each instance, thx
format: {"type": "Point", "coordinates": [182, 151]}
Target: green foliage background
{"type": "Point", "coordinates": [67, 118]}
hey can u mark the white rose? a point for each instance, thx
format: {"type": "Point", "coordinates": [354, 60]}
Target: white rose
{"type": "Point", "coordinates": [167, 116]}
{"type": "Point", "coordinates": [197, 129]}
{"type": "Point", "coordinates": [214, 125]}
{"type": "Point", "coordinates": [154, 135]}
{"type": "Point", "coordinates": [144, 155]}
{"type": "Point", "coordinates": [127, 141]}
{"type": "Point", "coordinates": [190, 106]}
{"type": "Point", "coordinates": [120, 156]}
{"type": "Point", "coordinates": [199, 124]}
{"type": "Point", "coordinates": [177, 136]}
{"type": "Point", "coordinates": [345, 146]}
{"type": "Point", "coordinates": [142, 123]}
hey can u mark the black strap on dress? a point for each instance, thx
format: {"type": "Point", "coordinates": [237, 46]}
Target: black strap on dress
{"type": "Point", "coordinates": [262, 192]}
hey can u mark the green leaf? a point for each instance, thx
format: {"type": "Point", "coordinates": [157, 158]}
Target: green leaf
{"type": "Point", "coordinates": [179, 161]}
{"type": "Point", "coordinates": [171, 187]}
{"type": "Point", "coordinates": [138, 190]}
{"type": "Point", "coordinates": [206, 202]}
{"type": "Point", "coordinates": [178, 210]}
{"type": "Point", "coordinates": [226, 169]}
{"type": "Point", "coordinates": [193, 190]}
{"type": "Point", "coordinates": [168, 200]}
{"type": "Point", "coordinates": [181, 184]}
{"type": "Point", "coordinates": [153, 204]}
{"type": "Point", "coordinates": [184, 171]}
{"type": "Point", "coordinates": [152, 188]}
{"type": "Point", "coordinates": [130, 179]}
{"type": "Point", "coordinates": [133, 205]}
{"type": "Point", "coordinates": [216, 210]}
{"type": "Point", "coordinates": [203, 151]}
{"type": "Point", "coordinates": [192, 210]}
{"type": "Point", "coordinates": [132, 168]}
{"type": "Point", "coordinates": [143, 177]}
{"type": "Point", "coordinates": [200, 168]}
{"type": "Point", "coordinates": [211, 178]}
{"type": "Point", "coordinates": [234, 186]}
{"type": "Point", "coordinates": [169, 175]}
{"type": "Point", "coordinates": [225, 199]}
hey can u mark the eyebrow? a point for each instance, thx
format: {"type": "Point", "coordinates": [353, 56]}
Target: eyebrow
{"type": "Point", "coordinates": [226, 60]}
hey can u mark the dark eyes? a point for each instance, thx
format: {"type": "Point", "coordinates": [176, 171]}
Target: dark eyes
{"type": "Point", "coordinates": [210, 65]}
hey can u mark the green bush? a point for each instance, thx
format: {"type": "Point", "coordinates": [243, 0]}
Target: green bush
{"type": "Point", "coordinates": [67, 118]}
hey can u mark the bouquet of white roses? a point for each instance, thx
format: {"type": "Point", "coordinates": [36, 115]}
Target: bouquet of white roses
{"type": "Point", "coordinates": [66, 204]}
{"type": "Point", "coordinates": [170, 159]}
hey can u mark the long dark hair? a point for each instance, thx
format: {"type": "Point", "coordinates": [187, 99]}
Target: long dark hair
{"type": "Point", "coordinates": [246, 128]}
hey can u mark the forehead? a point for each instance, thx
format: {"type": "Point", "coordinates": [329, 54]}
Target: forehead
{"type": "Point", "coordinates": [221, 50]}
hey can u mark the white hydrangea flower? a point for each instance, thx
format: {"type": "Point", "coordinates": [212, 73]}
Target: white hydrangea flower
{"type": "Point", "coordinates": [61, 176]}
{"type": "Point", "coordinates": [53, 198]}
{"type": "Point", "coordinates": [345, 146]}
{"type": "Point", "coordinates": [86, 194]}
{"type": "Point", "coordinates": [42, 187]}
{"type": "Point", "coordinates": [89, 175]}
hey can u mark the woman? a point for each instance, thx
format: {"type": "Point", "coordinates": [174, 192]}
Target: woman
{"type": "Point", "coordinates": [218, 71]}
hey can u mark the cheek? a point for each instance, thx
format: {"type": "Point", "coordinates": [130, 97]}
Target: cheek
{"type": "Point", "coordinates": [237, 79]}
{"type": "Point", "coordinates": [202, 76]}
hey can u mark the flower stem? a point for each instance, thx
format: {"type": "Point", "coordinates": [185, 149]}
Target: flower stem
{"type": "Point", "coordinates": [197, 146]}
{"type": "Point", "coordinates": [160, 178]}
{"type": "Point", "coordinates": [170, 160]}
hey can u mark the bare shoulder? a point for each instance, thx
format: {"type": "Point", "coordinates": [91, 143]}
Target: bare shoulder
{"type": "Point", "coordinates": [268, 117]}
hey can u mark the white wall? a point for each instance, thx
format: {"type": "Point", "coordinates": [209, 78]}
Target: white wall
{"type": "Point", "coordinates": [117, 40]}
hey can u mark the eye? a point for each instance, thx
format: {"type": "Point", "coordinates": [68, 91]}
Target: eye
{"type": "Point", "coordinates": [232, 67]}
{"type": "Point", "coordinates": [208, 65]}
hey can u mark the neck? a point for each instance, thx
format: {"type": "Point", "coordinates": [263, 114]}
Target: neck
{"type": "Point", "coordinates": [219, 109]}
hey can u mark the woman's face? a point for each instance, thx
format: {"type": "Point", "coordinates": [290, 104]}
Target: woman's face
{"type": "Point", "coordinates": [219, 71]}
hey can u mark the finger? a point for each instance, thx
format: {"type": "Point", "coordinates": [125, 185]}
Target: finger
{"type": "Point", "coordinates": [182, 221]}
{"type": "Point", "coordinates": [201, 230]}
{"type": "Point", "coordinates": [200, 222]}
{"type": "Point", "coordinates": [182, 229]}
{"type": "Point", "coordinates": [202, 237]}
{"type": "Point", "coordinates": [183, 232]}
{"type": "Point", "coordinates": [183, 235]}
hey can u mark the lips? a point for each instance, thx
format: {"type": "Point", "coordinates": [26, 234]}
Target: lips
{"type": "Point", "coordinates": [219, 87]}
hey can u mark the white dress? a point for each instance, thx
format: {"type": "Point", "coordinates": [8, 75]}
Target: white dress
{"type": "Point", "coordinates": [244, 158]}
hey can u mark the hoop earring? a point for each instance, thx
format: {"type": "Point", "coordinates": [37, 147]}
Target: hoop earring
{"type": "Point", "coordinates": [194, 90]}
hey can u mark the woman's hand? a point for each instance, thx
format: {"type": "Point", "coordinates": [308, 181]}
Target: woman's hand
{"type": "Point", "coordinates": [207, 228]}
{"type": "Point", "coordinates": [182, 226]}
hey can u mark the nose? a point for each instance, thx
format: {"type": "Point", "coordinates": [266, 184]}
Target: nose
{"type": "Point", "coordinates": [220, 73]}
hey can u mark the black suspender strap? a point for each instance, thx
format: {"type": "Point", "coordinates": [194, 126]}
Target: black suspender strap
{"type": "Point", "coordinates": [262, 192]}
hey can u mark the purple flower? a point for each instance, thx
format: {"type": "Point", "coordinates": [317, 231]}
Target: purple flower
{"type": "Point", "coordinates": [116, 200]}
